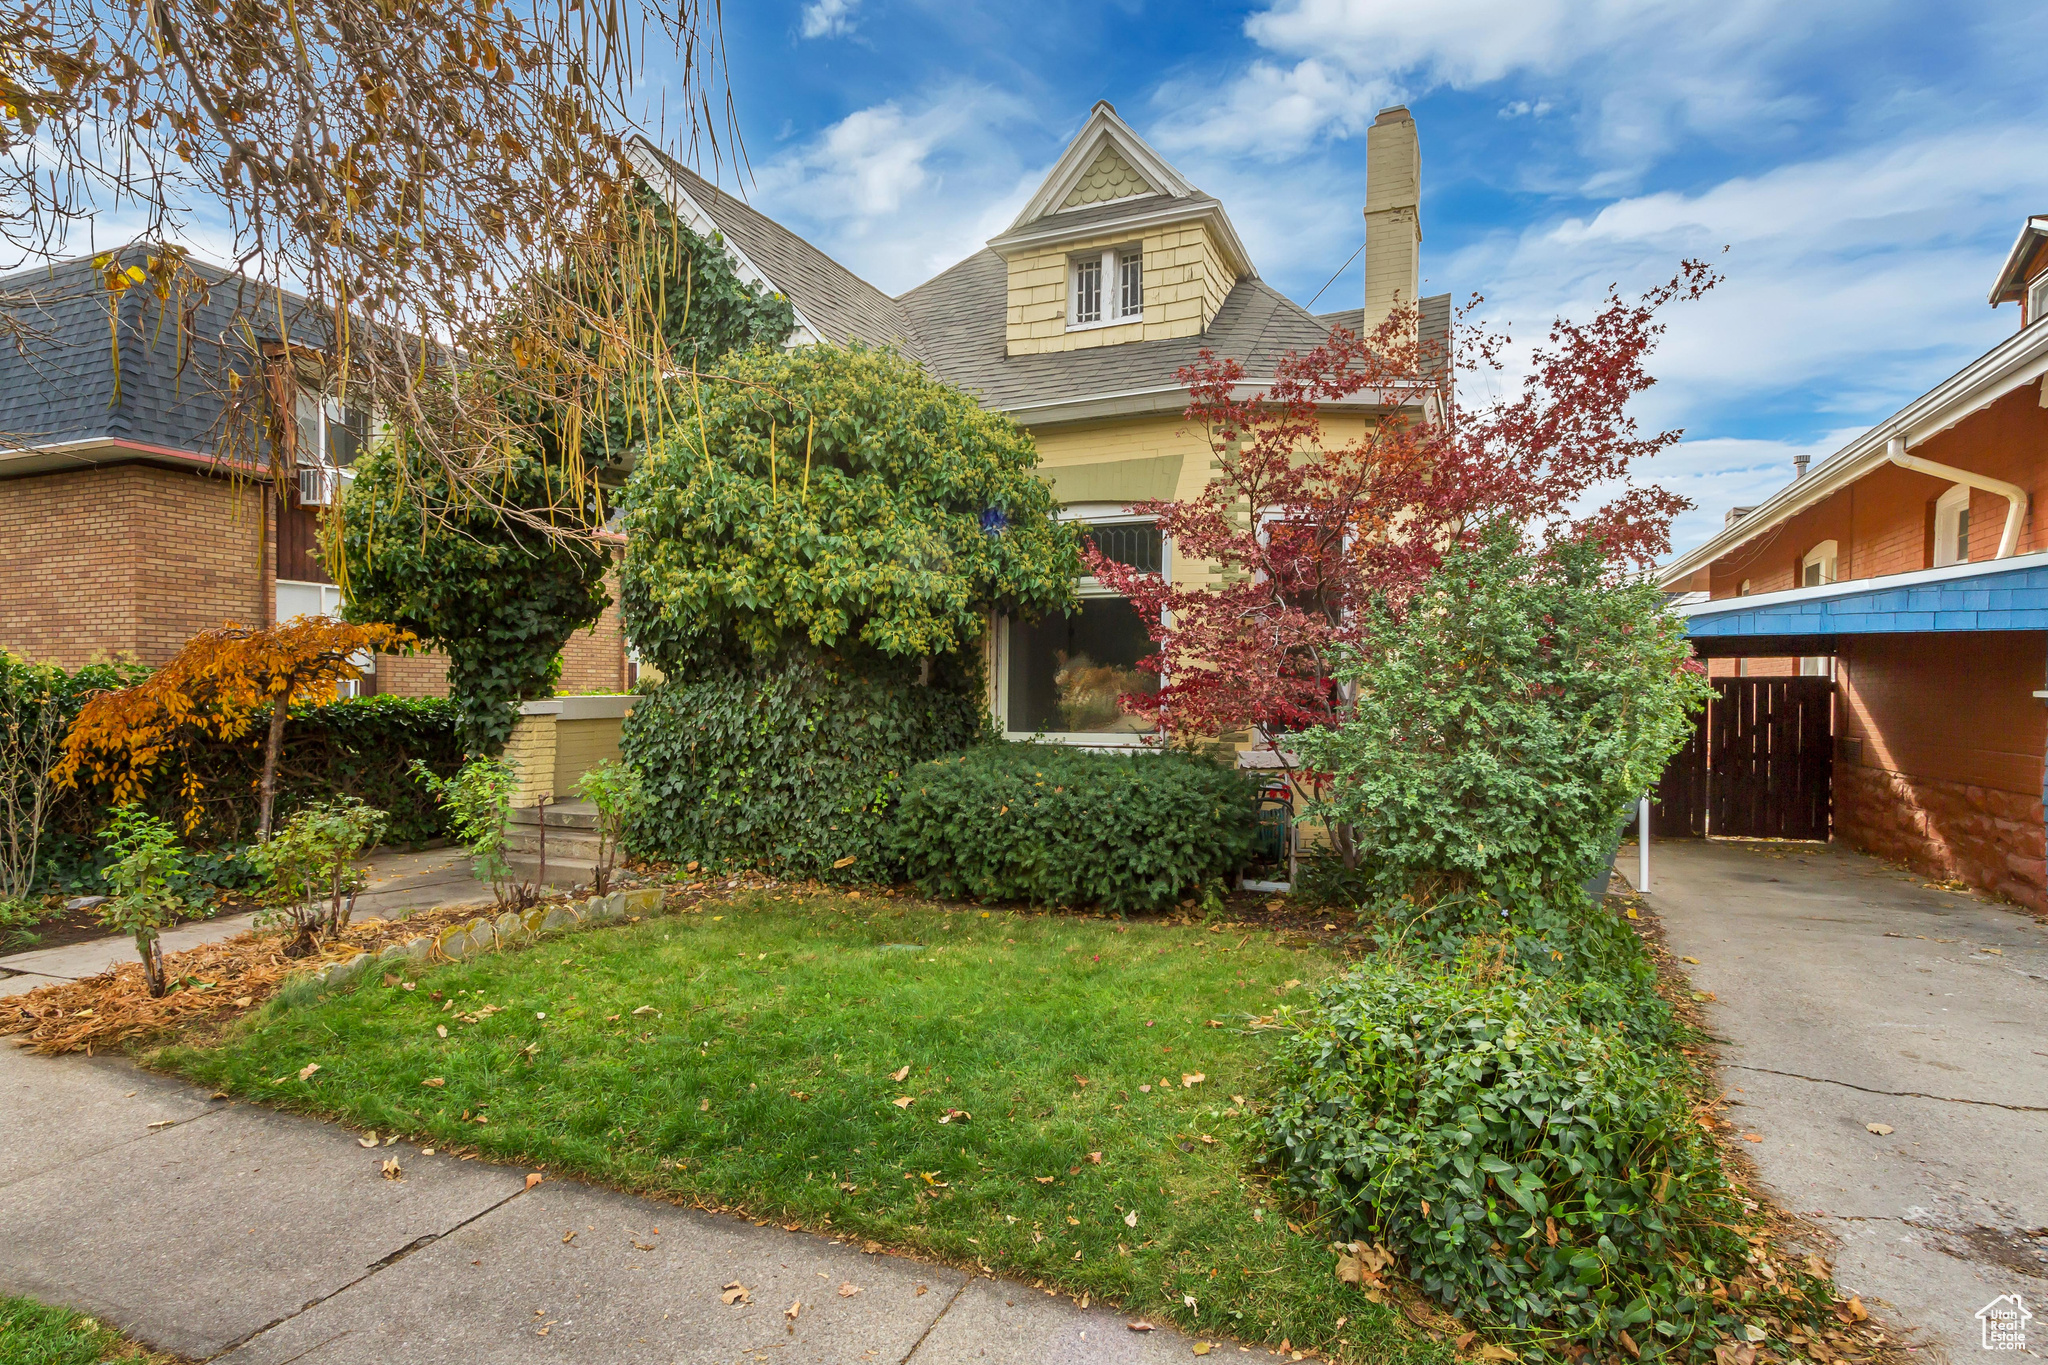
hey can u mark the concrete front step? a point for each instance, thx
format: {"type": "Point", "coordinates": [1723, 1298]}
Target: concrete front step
{"type": "Point", "coordinates": [562, 872]}
{"type": "Point", "coordinates": [567, 843]}
{"type": "Point", "coordinates": [560, 815]}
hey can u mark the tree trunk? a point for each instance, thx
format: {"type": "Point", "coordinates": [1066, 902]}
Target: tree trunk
{"type": "Point", "coordinates": [271, 746]}
{"type": "Point", "coordinates": [152, 955]}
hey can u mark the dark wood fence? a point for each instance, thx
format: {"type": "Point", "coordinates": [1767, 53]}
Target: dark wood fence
{"type": "Point", "coordinates": [1759, 764]}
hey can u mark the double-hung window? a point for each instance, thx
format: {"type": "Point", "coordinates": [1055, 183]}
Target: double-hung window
{"type": "Point", "coordinates": [1061, 677]}
{"type": "Point", "coordinates": [1952, 526]}
{"type": "Point", "coordinates": [1106, 287]}
{"type": "Point", "coordinates": [328, 437]}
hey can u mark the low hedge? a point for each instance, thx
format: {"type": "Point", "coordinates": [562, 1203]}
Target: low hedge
{"type": "Point", "coordinates": [792, 771]}
{"type": "Point", "coordinates": [1530, 1169]}
{"type": "Point", "coordinates": [363, 747]}
{"type": "Point", "coordinates": [1058, 826]}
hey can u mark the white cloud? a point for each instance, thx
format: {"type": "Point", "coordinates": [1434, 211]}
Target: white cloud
{"type": "Point", "coordinates": [1634, 72]}
{"type": "Point", "coordinates": [898, 191]}
{"type": "Point", "coordinates": [829, 18]}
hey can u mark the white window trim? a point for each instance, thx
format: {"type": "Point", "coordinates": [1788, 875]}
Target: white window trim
{"type": "Point", "coordinates": [2037, 300]}
{"type": "Point", "coordinates": [1111, 288]}
{"type": "Point", "coordinates": [1823, 554]}
{"type": "Point", "coordinates": [1089, 587]}
{"type": "Point", "coordinates": [1945, 508]}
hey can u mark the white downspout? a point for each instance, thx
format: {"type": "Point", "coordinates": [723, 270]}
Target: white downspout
{"type": "Point", "coordinates": [2014, 495]}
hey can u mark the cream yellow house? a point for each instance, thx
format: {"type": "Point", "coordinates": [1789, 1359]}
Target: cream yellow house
{"type": "Point", "coordinates": [1075, 321]}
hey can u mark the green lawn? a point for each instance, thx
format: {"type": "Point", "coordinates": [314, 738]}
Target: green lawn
{"type": "Point", "coordinates": [745, 1054]}
{"type": "Point", "coordinates": [32, 1334]}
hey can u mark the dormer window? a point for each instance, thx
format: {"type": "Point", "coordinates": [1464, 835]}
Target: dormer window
{"type": "Point", "coordinates": [1106, 288]}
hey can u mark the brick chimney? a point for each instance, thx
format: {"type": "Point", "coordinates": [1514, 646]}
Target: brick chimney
{"type": "Point", "coordinates": [1393, 219]}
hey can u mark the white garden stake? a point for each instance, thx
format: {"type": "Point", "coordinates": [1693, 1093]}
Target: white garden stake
{"type": "Point", "coordinates": [1643, 847]}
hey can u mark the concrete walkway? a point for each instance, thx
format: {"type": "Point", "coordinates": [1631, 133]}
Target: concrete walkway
{"type": "Point", "coordinates": [398, 882]}
{"type": "Point", "coordinates": [223, 1230]}
{"type": "Point", "coordinates": [1848, 994]}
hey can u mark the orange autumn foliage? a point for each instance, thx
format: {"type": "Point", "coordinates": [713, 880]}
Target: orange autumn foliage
{"type": "Point", "coordinates": [215, 689]}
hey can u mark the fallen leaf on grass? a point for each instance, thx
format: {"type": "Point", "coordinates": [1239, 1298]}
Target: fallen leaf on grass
{"type": "Point", "coordinates": [306, 1072]}
{"type": "Point", "coordinates": [1044, 1179]}
{"type": "Point", "coordinates": [435, 1081]}
{"type": "Point", "coordinates": [1131, 1219]}
{"type": "Point", "coordinates": [440, 1030]}
{"type": "Point", "coordinates": [904, 1101]}
{"type": "Point", "coordinates": [1206, 1139]}
{"type": "Point", "coordinates": [1095, 1158]}
{"type": "Point", "coordinates": [1493, 1352]}
{"type": "Point", "coordinates": [735, 1293]}
{"type": "Point", "coordinates": [533, 1178]}
{"type": "Point", "coordinates": [897, 1076]}
{"type": "Point", "coordinates": [646, 1009]}
{"type": "Point", "coordinates": [1465, 1340]}
{"type": "Point", "coordinates": [1192, 1079]}
{"type": "Point", "coordinates": [704, 1105]}
{"type": "Point", "coordinates": [1881, 1129]}
{"type": "Point", "coordinates": [955, 1116]}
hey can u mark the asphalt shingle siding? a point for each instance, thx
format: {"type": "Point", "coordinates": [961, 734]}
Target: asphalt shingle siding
{"type": "Point", "coordinates": [60, 384]}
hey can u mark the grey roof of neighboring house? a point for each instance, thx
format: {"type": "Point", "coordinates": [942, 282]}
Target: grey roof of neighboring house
{"type": "Point", "coordinates": [959, 315]}
{"type": "Point", "coordinates": [67, 382]}
{"type": "Point", "coordinates": [832, 298]}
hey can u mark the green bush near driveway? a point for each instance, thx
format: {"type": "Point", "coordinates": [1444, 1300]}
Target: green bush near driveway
{"type": "Point", "coordinates": [794, 770]}
{"type": "Point", "coordinates": [1051, 825]}
{"type": "Point", "coordinates": [1530, 1170]}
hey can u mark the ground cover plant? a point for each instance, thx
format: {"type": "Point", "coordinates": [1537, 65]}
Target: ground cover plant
{"type": "Point", "coordinates": [36, 1334]}
{"type": "Point", "coordinates": [1045, 1096]}
{"type": "Point", "coordinates": [1051, 825]}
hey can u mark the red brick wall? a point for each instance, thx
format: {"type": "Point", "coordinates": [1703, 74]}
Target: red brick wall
{"type": "Point", "coordinates": [1882, 523]}
{"type": "Point", "coordinates": [593, 660]}
{"type": "Point", "coordinates": [1939, 756]}
{"type": "Point", "coordinates": [128, 560]}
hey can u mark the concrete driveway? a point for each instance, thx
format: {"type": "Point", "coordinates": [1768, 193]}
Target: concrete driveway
{"type": "Point", "coordinates": [1849, 994]}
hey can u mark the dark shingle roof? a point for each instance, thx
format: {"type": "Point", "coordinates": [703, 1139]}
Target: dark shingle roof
{"type": "Point", "coordinates": [60, 383]}
{"type": "Point", "coordinates": [959, 315]}
{"type": "Point", "coordinates": [832, 298]}
{"type": "Point", "coordinates": [1434, 324]}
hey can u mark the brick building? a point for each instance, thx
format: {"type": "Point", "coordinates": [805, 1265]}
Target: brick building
{"type": "Point", "coordinates": [1911, 567]}
{"type": "Point", "coordinates": [136, 508]}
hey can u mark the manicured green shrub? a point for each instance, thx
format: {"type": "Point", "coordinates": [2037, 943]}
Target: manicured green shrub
{"type": "Point", "coordinates": [1505, 720]}
{"type": "Point", "coordinates": [1059, 826]}
{"type": "Point", "coordinates": [793, 770]}
{"type": "Point", "coordinates": [1528, 1169]}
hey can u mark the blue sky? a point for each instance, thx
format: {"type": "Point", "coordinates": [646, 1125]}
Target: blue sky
{"type": "Point", "coordinates": [1865, 164]}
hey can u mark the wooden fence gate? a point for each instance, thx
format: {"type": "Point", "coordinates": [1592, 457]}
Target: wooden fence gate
{"type": "Point", "coordinates": [1759, 764]}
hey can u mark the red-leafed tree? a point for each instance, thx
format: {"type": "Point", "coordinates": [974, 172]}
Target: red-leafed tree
{"type": "Point", "coordinates": [1314, 515]}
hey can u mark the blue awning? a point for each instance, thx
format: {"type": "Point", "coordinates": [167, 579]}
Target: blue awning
{"type": "Point", "coordinates": [2005, 594]}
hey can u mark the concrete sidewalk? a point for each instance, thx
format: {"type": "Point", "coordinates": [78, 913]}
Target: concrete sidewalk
{"type": "Point", "coordinates": [1849, 994]}
{"type": "Point", "coordinates": [223, 1230]}
{"type": "Point", "coordinates": [398, 882]}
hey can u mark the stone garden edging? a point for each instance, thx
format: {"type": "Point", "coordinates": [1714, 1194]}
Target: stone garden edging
{"type": "Point", "coordinates": [472, 938]}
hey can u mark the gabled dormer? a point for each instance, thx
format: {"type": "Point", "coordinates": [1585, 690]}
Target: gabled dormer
{"type": "Point", "coordinates": [1115, 246]}
{"type": "Point", "coordinates": [2024, 280]}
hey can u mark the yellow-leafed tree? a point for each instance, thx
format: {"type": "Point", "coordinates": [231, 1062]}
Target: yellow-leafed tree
{"type": "Point", "coordinates": [215, 689]}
